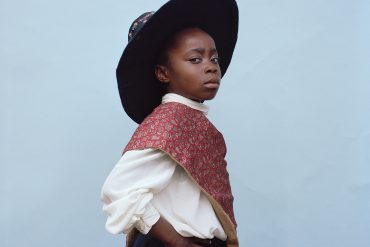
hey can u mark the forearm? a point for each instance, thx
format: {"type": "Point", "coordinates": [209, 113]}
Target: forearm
{"type": "Point", "coordinates": [164, 231]}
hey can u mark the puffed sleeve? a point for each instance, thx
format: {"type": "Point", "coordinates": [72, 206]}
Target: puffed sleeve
{"type": "Point", "coordinates": [129, 188]}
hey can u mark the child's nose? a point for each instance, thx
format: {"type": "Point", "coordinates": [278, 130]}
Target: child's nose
{"type": "Point", "coordinates": [211, 67]}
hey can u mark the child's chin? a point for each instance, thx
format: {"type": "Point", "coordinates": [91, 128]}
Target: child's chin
{"type": "Point", "coordinates": [210, 96]}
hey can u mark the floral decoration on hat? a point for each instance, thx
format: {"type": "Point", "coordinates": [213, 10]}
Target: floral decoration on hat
{"type": "Point", "coordinates": [138, 24]}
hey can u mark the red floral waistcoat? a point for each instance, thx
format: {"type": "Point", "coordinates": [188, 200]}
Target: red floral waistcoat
{"type": "Point", "coordinates": [194, 143]}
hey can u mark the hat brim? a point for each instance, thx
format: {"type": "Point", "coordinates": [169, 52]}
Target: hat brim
{"type": "Point", "coordinates": [138, 87]}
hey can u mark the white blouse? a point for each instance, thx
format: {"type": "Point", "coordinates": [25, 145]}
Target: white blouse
{"type": "Point", "coordinates": [146, 184]}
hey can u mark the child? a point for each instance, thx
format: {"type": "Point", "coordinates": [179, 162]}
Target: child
{"type": "Point", "coordinates": [171, 186]}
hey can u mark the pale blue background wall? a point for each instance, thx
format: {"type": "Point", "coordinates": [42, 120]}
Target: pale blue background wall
{"type": "Point", "coordinates": [294, 109]}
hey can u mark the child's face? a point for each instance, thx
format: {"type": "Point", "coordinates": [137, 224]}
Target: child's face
{"type": "Point", "coordinates": [192, 68]}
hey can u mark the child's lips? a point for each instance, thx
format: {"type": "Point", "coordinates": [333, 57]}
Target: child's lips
{"type": "Point", "coordinates": [212, 84]}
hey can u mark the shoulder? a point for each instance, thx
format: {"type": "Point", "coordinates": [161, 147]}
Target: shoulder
{"type": "Point", "coordinates": [171, 113]}
{"type": "Point", "coordinates": [173, 125]}
{"type": "Point", "coordinates": [167, 122]}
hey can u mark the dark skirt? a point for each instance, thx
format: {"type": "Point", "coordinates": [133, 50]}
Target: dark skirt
{"type": "Point", "coordinates": [147, 240]}
{"type": "Point", "coordinates": [142, 240]}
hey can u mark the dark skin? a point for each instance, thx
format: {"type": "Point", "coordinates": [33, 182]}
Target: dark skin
{"type": "Point", "coordinates": [190, 69]}
{"type": "Point", "coordinates": [165, 232]}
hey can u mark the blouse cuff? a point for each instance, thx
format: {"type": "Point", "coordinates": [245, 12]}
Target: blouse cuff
{"type": "Point", "coordinates": [145, 221]}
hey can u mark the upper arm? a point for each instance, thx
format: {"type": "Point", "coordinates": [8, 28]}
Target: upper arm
{"type": "Point", "coordinates": [147, 169]}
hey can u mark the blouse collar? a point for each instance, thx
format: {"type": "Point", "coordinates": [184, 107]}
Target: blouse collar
{"type": "Point", "coordinates": [173, 97]}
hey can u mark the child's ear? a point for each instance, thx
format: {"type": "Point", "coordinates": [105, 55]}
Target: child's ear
{"type": "Point", "coordinates": [161, 73]}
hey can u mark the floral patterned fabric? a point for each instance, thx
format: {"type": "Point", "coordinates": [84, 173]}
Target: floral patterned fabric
{"type": "Point", "coordinates": [194, 143]}
{"type": "Point", "coordinates": [138, 24]}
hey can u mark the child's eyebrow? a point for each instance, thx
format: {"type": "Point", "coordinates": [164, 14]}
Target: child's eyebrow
{"type": "Point", "coordinates": [202, 50]}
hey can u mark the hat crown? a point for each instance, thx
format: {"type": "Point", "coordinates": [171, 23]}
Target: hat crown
{"type": "Point", "coordinates": [138, 24]}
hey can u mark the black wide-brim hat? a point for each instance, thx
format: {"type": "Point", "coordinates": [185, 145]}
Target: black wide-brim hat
{"type": "Point", "coordinates": [138, 87]}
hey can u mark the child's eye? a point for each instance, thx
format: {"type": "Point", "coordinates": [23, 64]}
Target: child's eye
{"type": "Point", "coordinates": [215, 60]}
{"type": "Point", "coordinates": [195, 60]}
